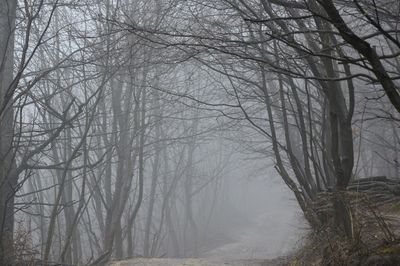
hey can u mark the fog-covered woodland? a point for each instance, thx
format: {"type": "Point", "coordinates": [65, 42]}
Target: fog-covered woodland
{"type": "Point", "coordinates": [130, 128]}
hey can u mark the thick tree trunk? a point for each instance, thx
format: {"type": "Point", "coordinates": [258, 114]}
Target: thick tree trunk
{"type": "Point", "coordinates": [7, 182]}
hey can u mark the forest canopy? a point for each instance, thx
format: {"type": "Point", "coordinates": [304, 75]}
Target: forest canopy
{"type": "Point", "coordinates": [120, 119]}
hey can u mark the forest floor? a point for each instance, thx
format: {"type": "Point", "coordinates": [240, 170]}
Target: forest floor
{"type": "Point", "coordinates": [265, 242]}
{"type": "Point", "coordinates": [197, 262]}
{"type": "Point", "coordinates": [279, 237]}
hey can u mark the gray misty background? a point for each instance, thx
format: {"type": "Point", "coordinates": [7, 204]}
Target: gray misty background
{"type": "Point", "coordinates": [190, 128]}
{"type": "Point", "coordinates": [254, 217]}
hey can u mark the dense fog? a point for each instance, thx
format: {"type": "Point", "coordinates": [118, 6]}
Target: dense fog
{"type": "Point", "coordinates": [226, 129]}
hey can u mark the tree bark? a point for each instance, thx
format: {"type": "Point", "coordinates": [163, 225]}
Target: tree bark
{"type": "Point", "coordinates": [7, 163]}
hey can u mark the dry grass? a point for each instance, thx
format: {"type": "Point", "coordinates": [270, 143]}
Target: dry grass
{"type": "Point", "coordinates": [375, 242]}
{"type": "Point", "coordinates": [24, 252]}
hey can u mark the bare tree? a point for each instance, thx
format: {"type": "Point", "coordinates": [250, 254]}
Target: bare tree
{"type": "Point", "coordinates": [8, 182]}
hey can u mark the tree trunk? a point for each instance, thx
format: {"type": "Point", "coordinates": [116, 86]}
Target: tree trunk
{"type": "Point", "coordinates": [7, 163]}
{"type": "Point", "coordinates": [154, 178]}
{"type": "Point", "coordinates": [365, 49]}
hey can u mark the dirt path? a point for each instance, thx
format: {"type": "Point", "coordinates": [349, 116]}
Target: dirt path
{"type": "Point", "coordinates": [197, 262]}
{"type": "Point", "coordinates": [263, 241]}
{"type": "Point", "coordinates": [260, 244]}
{"type": "Point", "coordinates": [272, 235]}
